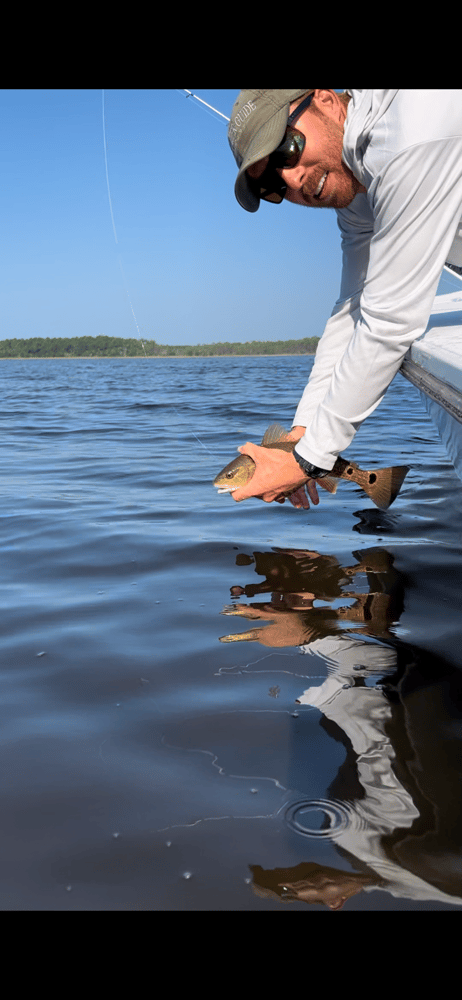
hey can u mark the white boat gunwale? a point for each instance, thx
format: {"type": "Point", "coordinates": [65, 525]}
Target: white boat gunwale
{"type": "Point", "coordinates": [440, 392]}
{"type": "Point", "coordinates": [434, 365]}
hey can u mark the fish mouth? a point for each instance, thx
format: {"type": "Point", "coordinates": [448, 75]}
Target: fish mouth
{"type": "Point", "coordinates": [226, 489]}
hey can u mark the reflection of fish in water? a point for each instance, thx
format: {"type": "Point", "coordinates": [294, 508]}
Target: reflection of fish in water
{"type": "Point", "coordinates": [381, 485]}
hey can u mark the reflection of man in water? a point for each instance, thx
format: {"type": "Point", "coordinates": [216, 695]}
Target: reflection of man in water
{"type": "Point", "coordinates": [399, 787]}
{"type": "Point", "coordinates": [404, 828]}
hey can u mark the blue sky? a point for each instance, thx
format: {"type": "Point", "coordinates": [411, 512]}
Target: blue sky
{"type": "Point", "coordinates": [189, 266]}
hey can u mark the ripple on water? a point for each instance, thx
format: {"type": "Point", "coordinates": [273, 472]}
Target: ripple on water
{"type": "Point", "coordinates": [319, 817]}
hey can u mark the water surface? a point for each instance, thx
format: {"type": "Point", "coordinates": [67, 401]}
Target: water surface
{"type": "Point", "coordinates": [147, 761]}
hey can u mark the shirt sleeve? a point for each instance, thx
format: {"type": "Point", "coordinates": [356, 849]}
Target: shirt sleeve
{"type": "Point", "coordinates": [390, 277]}
{"type": "Point", "coordinates": [356, 225]}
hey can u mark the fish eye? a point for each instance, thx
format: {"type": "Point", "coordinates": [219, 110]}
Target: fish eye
{"type": "Point", "coordinates": [229, 475]}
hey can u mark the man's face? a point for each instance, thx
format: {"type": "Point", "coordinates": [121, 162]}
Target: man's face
{"type": "Point", "coordinates": [320, 179]}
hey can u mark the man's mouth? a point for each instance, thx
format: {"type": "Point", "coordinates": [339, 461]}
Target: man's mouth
{"type": "Point", "coordinates": [318, 192]}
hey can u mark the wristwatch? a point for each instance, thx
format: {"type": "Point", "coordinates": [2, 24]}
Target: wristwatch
{"type": "Point", "coordinates": [310, 470]}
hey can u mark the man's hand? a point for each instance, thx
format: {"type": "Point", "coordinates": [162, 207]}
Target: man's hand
{"type": "Point", "coordinates": [277, 475]}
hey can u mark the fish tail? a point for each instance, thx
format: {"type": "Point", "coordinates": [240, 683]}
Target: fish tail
{"type": "Point", "coordinates": [381, 485]}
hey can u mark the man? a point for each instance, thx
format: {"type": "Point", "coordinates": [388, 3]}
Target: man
{"type": "Point", "coordinates": [390, 163]}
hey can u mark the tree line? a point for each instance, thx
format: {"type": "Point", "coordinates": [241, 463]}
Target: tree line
{"type": "Point", "coordinates": [125, 347]}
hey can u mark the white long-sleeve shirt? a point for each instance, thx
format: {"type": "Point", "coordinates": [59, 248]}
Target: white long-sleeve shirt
{"type": "Point", "coordinates": [405, 147]}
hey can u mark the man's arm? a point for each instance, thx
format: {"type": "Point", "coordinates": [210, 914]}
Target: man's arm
{"type": "Point", "coordinates": [278, 472]}
{"type": "Point", "coordinates": [417, 205]}
{"type": "Point", "coordinates": [274, 473]}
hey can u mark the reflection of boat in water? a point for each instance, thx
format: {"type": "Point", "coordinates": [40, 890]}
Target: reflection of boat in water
{"type": "Point", "coordinates": [392, 813]}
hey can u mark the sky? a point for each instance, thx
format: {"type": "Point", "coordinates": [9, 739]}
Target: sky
{"type": "Point", "coordinates": [156, 246]}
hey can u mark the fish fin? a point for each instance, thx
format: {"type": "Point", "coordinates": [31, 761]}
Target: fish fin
{"type": "Point", "coordinates": [275, 433]}
{"type": "Point", "coordinates": [328, 483]}
{"type": "Point", "coordinates": [383, 485]}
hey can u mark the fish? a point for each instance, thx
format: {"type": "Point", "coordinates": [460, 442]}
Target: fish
{"type": "Point", "coordinates": [381, 485]}
{"type": "Point", "coordinates": [251, 636]}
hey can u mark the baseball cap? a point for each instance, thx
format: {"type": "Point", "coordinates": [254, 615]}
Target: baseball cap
{"type": "Point", "coordinates": [257, 126]}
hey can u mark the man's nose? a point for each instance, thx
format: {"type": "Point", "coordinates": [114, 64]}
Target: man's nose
{"type": "Point", "coordinates": [294, 177]}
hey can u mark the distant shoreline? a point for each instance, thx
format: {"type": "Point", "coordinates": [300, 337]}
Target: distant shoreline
{"type": "Point", "coordinates": [155, 357]}
{"type": "Point", "coordinates": [30, 348]}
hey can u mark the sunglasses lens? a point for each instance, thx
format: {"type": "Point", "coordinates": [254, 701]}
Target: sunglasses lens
{"type": "Point", "coordinates": [287, 155]}
{"type": "Point", "coordinates": [290, 150]}
{"type": "Point", "coordinates": [275, 196]}
{"type": "Point", "coordinates": [270, 185]}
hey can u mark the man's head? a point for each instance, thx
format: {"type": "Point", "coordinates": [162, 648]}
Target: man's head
{"type": "Point", "coordinates": [288, 144]}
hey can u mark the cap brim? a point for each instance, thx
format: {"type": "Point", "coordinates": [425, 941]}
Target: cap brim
{"type": "Point", "coordinates": [264, 142]}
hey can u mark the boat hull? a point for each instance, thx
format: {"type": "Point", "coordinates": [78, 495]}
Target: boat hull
{"type": "Point", "coordinates": [434, 366]}
{"type": "Point", "coordinates": [444, 407]}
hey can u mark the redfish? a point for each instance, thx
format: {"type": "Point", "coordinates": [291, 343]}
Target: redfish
{"type": "Point", "coordinates": [381, 485]}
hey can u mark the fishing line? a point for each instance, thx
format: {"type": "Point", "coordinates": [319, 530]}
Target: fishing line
{"type": "Point", "coordinates": [107, 174]}
{"type": "Point", "coordinates": [206, 106]}
{"type": "Point", "coordinates": [188, 94]}
{"type": "Point", "coordinates": [193, 434]}
{"type": "Point", "coordinates": [114, 228]}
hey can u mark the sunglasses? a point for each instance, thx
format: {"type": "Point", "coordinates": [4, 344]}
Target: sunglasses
{"type": "Point", "coordinates": [270, 186]}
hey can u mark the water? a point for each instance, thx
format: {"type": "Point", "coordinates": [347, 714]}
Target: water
{"type": "Point", "coordinates": [145, 764]}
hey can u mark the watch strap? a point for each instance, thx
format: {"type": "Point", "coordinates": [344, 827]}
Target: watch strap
{"type": "Point", "coordinates": [313, 471]}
